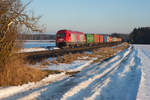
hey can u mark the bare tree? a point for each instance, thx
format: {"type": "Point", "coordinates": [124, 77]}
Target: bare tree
{"type": "Point", "coordinates": [13, 20]}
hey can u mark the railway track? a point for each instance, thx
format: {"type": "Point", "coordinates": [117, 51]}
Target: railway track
{"type": "Point", "coordinates": [39, 55]}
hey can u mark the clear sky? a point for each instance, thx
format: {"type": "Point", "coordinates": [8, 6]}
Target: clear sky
{"type": "Point", "coordinates": [100, 16]}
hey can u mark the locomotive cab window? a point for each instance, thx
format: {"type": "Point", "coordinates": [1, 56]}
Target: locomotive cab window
{"type": "Point", "coordinates": [60, 35]}
{"type": "Point", "coordinates": [69, 34]}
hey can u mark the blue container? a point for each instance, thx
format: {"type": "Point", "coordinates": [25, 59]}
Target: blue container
{"type": "Point", "coordinates": [105, 39]}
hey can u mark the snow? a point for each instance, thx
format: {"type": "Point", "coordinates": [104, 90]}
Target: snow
{"type": "Point", "coordinates": [86, 83]}
{"type": "Point", "coordinates": [124, 80]}
{"type": "Point", "coordinates": [122, 77]}
{"type": "Point", "coordinates": [36, 49]}
{"type": "Point", "coordinates": [98, 90]}
{"type": "Point", "coordinates": [32, 50]}
{"type": "Point", "coordinates": [34, 46]}
{"type": "Point", "coordinates": [144, 88]}
{"type": "Point", "coordinates": [37, 44]}
{"type": "Point", "coordinates": [13, 90]}
{"type": "Point", "coordinates": [74, 66]}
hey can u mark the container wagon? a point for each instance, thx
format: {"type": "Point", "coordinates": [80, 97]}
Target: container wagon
{"type": "Point", "coordinates": [89, 39]}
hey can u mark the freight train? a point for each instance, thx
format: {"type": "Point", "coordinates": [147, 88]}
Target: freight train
{"type": "Point", "coordinates": [68, 38]}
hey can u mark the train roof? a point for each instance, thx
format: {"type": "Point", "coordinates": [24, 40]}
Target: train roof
{"type": "Point", "coordinates": [70, 30]}
{"type": "Point", "coordinates": [84, 32]}
{"type": "Point", "coordinates": [99, 34]}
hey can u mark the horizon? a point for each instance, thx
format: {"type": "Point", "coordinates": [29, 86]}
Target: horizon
{"type": "Point", "coordinates": [96, 16]}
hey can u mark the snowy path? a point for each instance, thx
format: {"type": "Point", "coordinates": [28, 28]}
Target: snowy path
{"type": "Point", "coordinates": [122, 77]}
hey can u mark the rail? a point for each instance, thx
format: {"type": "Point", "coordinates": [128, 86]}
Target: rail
{"type": "Point", "coordinates": [39, 55]}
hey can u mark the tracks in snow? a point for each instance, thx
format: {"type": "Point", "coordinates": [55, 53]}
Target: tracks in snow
{"type": "Point", "coordinates": [97, 81]}
{"type": "Point", "coordinates": [111, 66]}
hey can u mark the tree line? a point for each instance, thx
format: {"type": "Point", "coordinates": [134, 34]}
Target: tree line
{"type": "Point", "coordinates": [140, 35]}
{"type": "Point", "coordinates": [36, 37]}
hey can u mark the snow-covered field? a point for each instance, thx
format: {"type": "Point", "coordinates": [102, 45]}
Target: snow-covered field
{"type": "Point", "coordinates": [74, 66]}
{"type": "Point", "coordinates": [123, 77]}
{"type": "Point", "coordinates": [38, 46]}
{"type": "Point", "coordinates": [36, 49]}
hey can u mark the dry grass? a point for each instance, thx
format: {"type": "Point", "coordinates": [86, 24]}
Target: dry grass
{"type": "Point", "coordinates": [16, 73]}
{"type": "Point", "coordinates": [45, 63]}
{"type": "Point", "coordinates": [107, 52]}
{"type": "Point", "coordinates": [100, 54]}
{"type": "Point", "coordinates": [72, 73]}
{"type": "Point", "coordinates": [13, 18]}
{"type": "Point", "coordinates": [53, 71]}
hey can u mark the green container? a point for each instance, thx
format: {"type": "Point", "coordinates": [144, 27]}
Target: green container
{"type": "Point", "coordinates": [105, 39]}
{"type": "Point", "coordinates": [89, 38]}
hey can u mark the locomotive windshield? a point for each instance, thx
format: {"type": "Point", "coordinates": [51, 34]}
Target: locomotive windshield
{"type": "Point", "coordinates": [60, 35]}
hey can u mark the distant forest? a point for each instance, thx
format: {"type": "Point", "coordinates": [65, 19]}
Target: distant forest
{"type": "Point", "coordinates": [36, 37]}
{"type": "Point", "coordinates": [125, 37]}
{"type": "Point", "coordinates": [140, 35]}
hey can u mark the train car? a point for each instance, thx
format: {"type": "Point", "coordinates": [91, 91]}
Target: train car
{"type": "Point", "coordinates": [119, 39]}
{"type": "Point", "coordinates": [96, 39]}
{"type": "Point", "coordinates": [66, 38]}
{"type": "Point", "coordinates": [108, 39]}
{"type": "Point", "coordinates": [112, 39]}
{"type": "Point", "coordinates": [105, 38]}
{"type": "Point", "coordinates": [101, 38]}
{"type": "Point", "coordinates": [89, 39]}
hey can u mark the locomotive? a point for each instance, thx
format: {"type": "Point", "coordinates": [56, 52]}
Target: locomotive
{"type": "Point", "coordinates": [68, 38]}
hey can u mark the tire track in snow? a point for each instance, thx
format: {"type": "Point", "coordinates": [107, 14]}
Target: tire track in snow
{"type": "Point", "coordinates": [98, 90]}
{"type": "Point", "coordinates": [95, 69]}
{"type": "Point", "coordinates": [86, 83]}
{"type": "Point", "coordinates": [64, 86]}
{"type": "Point", "coordinates": [126, 87]}
{"type": "Point", "coordinates": [129, 62]}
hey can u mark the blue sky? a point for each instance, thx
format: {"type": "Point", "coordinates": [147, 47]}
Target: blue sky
{"type": "Point", "coordinates": [98, 16]}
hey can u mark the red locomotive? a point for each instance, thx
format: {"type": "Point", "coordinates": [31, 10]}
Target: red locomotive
{"type": "Point", "coordinates": [68, 38]}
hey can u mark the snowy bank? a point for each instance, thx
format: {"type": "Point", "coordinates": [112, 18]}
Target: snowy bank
{"type": "Point", "coordinates": [10, 91]}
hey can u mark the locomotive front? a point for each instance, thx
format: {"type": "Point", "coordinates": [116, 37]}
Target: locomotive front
{"type": "Point", "coordinates": [61, 38]}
